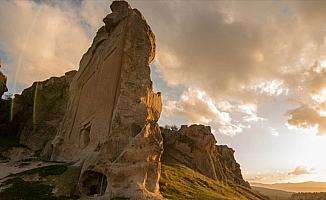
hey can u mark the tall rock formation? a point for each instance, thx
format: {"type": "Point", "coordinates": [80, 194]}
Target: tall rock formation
{"type": "Point", "coordinates": [110, 126]}
{"type": "Point", "coordinates": [195, 147]}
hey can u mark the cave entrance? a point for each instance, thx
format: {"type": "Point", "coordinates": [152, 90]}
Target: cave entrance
{"type": "Point", "coordinates": [94, 184]}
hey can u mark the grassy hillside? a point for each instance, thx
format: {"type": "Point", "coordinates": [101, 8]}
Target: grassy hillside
{"type": "Point", "coordinates": [274, 194]}
{"type": "Point", "coordinates": [180, 182]}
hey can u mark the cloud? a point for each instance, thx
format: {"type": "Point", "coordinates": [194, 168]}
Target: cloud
{"type": "Point", "coordinates": [242, 52]}
{"type": "Point", "coordinates": [92, 13]}
{"type": "Point", "coordinates": [273, 131]}
{"type": "Point", "coordinates": [267, 177]}
{"type": "Point", "coordinates": [43, 39]}
{"type": "Point", "coordinates": [237, 52]}
{"type": "Point", "coordinates": [301, 170]}
{"type": "Point", "coordinates": [310, 93]}
{"type": "Point", "coordinates": [250, 113]}
{"type": "Point", "coordinates": [232, 45]}
{"type": "Point", "coordinates": [307, 117]}
{"type": "Point", "coordinates": [281, 176]}
{"type": "Point", "coordinates": [196, 106]}
{"type": "Point", "coordinates": [269, 88]}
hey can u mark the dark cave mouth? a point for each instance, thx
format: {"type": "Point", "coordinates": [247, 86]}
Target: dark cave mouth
{"type": "Point", "coordinates": [93, 184]}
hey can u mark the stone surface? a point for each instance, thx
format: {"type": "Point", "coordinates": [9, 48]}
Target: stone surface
{"type": "Point", "coordinates": [110, 127]}
{"type": "Point", "coordinates": [3, 82]}
{"type": "Point", "coordinates": [195, 147]}
{"type": "Point", "coordinates": [35, 115]}
{"type": "Point", "coordinates": [16, 154]}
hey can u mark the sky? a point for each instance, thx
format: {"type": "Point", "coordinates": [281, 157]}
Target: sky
{"type": "Point", "coordinates": [255, 71]}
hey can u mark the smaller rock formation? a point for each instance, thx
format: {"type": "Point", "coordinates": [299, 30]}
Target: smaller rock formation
{"type": "Point", "coordinates": [195, 147]}
{"type": "Point", "coordinates": [3, 82]}
{"type": "Point", "coordinates": [35, 115]}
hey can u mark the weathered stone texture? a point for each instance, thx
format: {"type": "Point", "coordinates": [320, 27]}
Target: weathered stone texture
{"type": "Point", "coordinates": [3, 82]}
{"type": "Point", "coordinates": [195, 147]}
{"type": "Point", "coordinates": [110, 127]}
{"type": "Point", "coordinates": [35, 115]}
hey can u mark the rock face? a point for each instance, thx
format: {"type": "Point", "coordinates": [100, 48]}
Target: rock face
{"type": "Point", "coordinates": [3, 82]}
{"type": "Point", "coordinates": [35, 114]}
{"type": "Point", "coordinates": [195, 147]}
{"type": "Point", "coordinates": [110, 126]}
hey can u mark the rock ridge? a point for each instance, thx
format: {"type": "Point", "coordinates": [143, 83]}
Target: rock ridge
{"type": "Point", "coordinates": [195, 147]}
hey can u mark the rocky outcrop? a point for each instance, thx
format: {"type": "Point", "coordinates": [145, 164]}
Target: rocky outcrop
{"type": "Point", "coordinates": [231, 168]}
{"type": "Point", "coordinates": [3, 82]}
{"type": "Point", "coordinates": [110, 126]}
{"type": "Point", "coordinates": [34, 116]}
{"type": "Point", "coordinates": [195, 147]}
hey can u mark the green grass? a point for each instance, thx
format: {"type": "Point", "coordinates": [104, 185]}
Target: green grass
{"type": "Point", "coordinates": [181, 182]}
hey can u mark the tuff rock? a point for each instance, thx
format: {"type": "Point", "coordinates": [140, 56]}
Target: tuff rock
{"type": "Point", "coordinates": [3, 82]}
{"type": "Point", "coordinates": [110, 127]}
{"type": "Point", "coordinates": [33, 117]}
{"type": "Point", "coordinates": [195, 147]}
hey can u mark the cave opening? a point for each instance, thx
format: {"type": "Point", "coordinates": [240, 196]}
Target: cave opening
{"type": "Point", "coordinates": [94, 184]}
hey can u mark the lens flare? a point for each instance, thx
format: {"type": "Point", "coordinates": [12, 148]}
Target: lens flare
{"type": "Point", "coordinates": [35, 102]}
{"type": "Point", "coordinates": [21, 55]}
